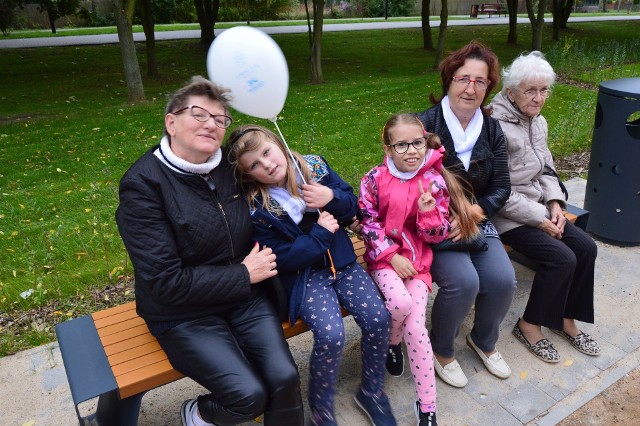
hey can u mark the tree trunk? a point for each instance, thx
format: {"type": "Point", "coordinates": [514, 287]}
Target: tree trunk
{"type": "Point", "coordinates": [427, 39]}
{"type": "Point", "coordinates": [556, 12]}
{"type": "Point", "coordinates": [148, 26]}
{"type": "Point", "coordinates": [52, 21]}
{"type": "Point", "coordinates": [207, 11]}
{"type": "Point", "coordinates": [316, 47]}
{"type": "Point", "coordinates": [537, 23]}
{"type": "Point", "coordinates": [566, 12]}
{"type": "Point", "coordinates": [132, 75]}
{"type": "Point", "coordinates": [444, 15]}
{"type": "Point", "coordinates": [512, 8]}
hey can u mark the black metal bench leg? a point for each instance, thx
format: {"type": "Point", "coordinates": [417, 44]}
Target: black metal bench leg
{"type": "Point", "coordinates": [118, 412]}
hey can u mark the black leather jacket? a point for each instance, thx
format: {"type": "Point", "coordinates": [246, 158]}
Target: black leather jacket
{"type": "Point", "coordinates": [185, 240]}
{"type": "Point", "coordinates": [488, 171]}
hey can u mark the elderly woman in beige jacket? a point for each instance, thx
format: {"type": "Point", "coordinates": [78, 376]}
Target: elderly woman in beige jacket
{"type": "Point", "coordinates": [532, 222]}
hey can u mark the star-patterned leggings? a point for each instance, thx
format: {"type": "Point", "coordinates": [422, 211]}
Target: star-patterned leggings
{"type": "Point", "coordinates": [356, 292]}
{"type": "Point", "coordinates": [407, 301]}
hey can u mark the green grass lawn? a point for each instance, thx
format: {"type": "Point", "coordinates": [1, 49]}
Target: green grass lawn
{"type": "Point", "coordinates": [67, 135]}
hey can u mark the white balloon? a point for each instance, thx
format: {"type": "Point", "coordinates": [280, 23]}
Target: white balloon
{"type": "Point", "coordinates": [252, 66]}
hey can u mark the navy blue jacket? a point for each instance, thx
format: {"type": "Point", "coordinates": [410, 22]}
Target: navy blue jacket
{"type": "Point", "coordinates": [296, 251]}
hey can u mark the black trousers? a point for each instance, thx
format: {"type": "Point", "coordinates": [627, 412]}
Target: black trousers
{"type": "Point", "coordinates": [563, 283]}
{"type": "Point", "coordinates": [243, 359]}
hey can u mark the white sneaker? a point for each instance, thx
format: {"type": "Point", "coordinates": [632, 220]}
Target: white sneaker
{"type": "Point", "coordinates": [494, 363]}
{"type": "Point", "coordinates": [189, 414]}
{"type": "Point", "coordinates": [451, 373]}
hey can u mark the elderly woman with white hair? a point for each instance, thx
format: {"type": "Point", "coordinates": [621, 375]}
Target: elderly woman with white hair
{"type": "Point", "coordinates": [532, 222]}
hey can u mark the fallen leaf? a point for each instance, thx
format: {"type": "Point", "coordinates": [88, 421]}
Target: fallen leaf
{"type": "Point", "coordinates": [523, 375]}
{"type": "Point", "coordinates": [568, 362]}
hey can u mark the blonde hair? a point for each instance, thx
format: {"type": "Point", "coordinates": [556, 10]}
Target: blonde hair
{"type": "Point", "coordinates": [459, 193]}
{"type": "Point", "coordinates": [248, 138]}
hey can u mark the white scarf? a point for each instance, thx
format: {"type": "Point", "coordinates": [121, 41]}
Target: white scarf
{"type": "Point", "coordinates": [180, 165]}
{"type": "Point", "coordinates": [463, 140]}
{"type": "Point", "coordinates": [295, 207]}
{"type": "Point", "coordinates": [406, 175]}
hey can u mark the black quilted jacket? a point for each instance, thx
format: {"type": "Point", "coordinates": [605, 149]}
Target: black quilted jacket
{"type": "Point", "coordinates": [488, 169]}
{"type": "Point", "coordinates": [185, 241]}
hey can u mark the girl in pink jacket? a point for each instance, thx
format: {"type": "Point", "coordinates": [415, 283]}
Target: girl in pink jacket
{"type": "Point", "coordinates": [405, 207]}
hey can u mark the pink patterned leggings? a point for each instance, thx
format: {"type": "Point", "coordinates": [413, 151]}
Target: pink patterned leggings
{"type": "Point", "coordinates": [407, 301]}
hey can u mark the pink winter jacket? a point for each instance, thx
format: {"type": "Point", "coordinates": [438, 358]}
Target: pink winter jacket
{"type": "Point", "coordinates": [392, 222]}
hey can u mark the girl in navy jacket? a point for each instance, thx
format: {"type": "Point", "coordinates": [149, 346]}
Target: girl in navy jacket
{"type": "Point", "coordinates": [298, 209]}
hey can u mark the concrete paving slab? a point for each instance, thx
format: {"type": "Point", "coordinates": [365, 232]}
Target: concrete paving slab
{"type": "Point", "coordinates": [34, 389]}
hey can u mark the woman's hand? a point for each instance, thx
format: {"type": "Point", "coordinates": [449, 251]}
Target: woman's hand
{"type": "Point", "coordinates": [550, 228]}
{"type": "Point", "coordinates": [327, 221]}
{"type": "Point", "coordinates": [454, 233]}
{"type": "Point", "coordinates": [426, 202]}
{"type": "Point", "coordinates": [261, 264]}
{"type": "Point", "coordinates": [402, 266]}
{"type": "Point", "coordinates": [557, 216]}
{"type": "Point", "coordinates": [316, 195]}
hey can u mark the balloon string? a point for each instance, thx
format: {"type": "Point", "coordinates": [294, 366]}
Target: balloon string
{"type": "Point", "coordinates": [297, 167]}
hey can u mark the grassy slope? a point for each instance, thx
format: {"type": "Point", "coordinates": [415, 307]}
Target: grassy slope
{"type": "Point", "coordinates": [67, 135]}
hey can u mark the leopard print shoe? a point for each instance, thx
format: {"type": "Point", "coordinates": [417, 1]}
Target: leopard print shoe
{"type": "Point", "coordinates": [582, 342]}
{"type": "Point", "coordinates": [542, 349]}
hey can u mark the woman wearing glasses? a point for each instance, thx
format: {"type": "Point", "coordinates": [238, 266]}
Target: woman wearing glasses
{"type": "Point", "coordinates": [532, 222]}
{"type": "Point", "coordinates": [476, 152]}
{"type": "Point", "coordinates": [198, 281]}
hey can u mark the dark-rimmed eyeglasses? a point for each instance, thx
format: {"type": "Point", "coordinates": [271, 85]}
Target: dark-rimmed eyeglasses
{"type": "Point", "coordinates": [480, 83]}
{"type": "Point", "coordinates": [532, 93]}
{"type": "Point", "coordinates": [402, 147]}
{"type": "Point", "coordinates": [223, 121]}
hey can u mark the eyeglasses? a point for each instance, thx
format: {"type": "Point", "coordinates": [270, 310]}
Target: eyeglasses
{"type": "Point", "coordinates": [201, 114]}
{"type": "Point", "coordinates": [480, 83]}
{"type": "Point", "coordinates": [402, 147]}
{"type": "Point", "coordinates": [532, 93]}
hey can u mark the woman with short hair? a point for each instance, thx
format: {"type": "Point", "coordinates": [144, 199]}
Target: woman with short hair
{"type": "Point", "coordinates": [532, 221]}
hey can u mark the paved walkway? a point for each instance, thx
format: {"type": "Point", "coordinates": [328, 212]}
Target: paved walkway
{"type": "Point", "coordinates": [34, 389]}
{"type": "Point", "coordinates": [292, 29]}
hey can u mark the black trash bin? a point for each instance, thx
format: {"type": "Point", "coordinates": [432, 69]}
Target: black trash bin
{"type": "Point", "coordinates": [474, 11]}
{"type": "Point", "coordinates": [613, 186]}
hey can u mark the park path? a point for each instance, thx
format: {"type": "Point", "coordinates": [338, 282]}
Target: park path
{"type": "Point", "coordinates": [21, 43]}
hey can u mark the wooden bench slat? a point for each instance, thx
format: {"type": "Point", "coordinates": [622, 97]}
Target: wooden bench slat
{"type": "Point", "coordinates": [137, 363]}
{"type": "Point", "coordinates": [129, 333]}
{"type": "Point", "coordinates": [107, 330]}
{"type": "Point", "coordinates": [146, 378]}
{"type": "Point", "coordinates": [133, 353]}
{"type": "Point", "coordinates": [128, 344]}
{"type": "Point", "coordinates": [114, 319]}
{"type": "Point", "coordinates": [129, 306]}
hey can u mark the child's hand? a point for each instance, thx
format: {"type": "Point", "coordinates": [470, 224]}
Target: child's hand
{"type": "Point", "coordinates": [327, 221]}
{"type": "Point", "coordinates": [426, 202]}
{"type": "Point", "coordinates": [316, 195]}
{"type": "Point", "coordinates": [402, 266]}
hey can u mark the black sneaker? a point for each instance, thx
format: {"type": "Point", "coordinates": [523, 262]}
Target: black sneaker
{"type": "Point", "coordinates": [425, 419]}
{"type": "Point", "coordinates": [395, 360]}
{"type": "Point", "coordinates": [377, 408]}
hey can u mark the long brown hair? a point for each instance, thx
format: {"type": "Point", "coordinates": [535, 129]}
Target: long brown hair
{"type": "Point", "coordinates": [459, 194]}
{"type": "Point", "coordinates": [248, 138]}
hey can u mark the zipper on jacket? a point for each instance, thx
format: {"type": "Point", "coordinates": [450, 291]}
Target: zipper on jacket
{"type": "Point", "coordinates": [413, 251]}
{"type": "Point", "coordinates": [212, 186]}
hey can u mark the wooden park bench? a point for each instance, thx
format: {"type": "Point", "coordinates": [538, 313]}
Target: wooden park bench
{"type": "Point", "coordinates": [112, 355]}
{"type": "Point", "coordinates": [491, 8]}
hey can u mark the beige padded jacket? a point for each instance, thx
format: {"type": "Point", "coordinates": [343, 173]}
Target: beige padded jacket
{"type": "Point", "coordinates": [528, 154]}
